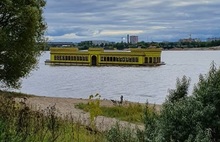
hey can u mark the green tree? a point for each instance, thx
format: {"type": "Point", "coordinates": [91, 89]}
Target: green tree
{"type": "Point", "coordinates": [183, 121]}
{"type": "Point", "coordinates": [191, 118]}
{"type": "Point", "coordinates": [207, 92]}
{"type": "Point", "coordinates": [21, 38]}
{"type": "Point", "coordinates": [181, 90]}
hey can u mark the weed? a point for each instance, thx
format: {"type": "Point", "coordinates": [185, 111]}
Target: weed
{"type": "Point", "coordinates": [19, 123]}
{"type": "Point", "coordinates": [94, 106]}
{"type": "Point", "coordinates": [123, 134]}
{"type": "Point", "coordinates": [131, 112]}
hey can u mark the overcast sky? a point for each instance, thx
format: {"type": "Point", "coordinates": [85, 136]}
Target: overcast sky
{"type": "Point", "coordinates": [150, 20]}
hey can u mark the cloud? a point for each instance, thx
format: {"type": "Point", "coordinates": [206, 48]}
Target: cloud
{"type": "Point", "coordinates": [118, 32]}
{"type": "Point", "coordinates": [72, 20]}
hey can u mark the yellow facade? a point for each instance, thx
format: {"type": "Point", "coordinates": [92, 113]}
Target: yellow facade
{"type": "Point", "coordinates": [101, 57]}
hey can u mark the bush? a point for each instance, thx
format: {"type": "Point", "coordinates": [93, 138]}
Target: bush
{"type": "Point", "coordinates": [119, 134]}
{"type": "Point", "coordinates": [188, 118]}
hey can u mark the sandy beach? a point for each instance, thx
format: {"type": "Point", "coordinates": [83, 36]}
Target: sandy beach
{"type": "Point", "coordinates": [66, 108]}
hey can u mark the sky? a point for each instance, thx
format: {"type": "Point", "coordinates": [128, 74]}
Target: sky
{"type": "Point", "coordinates": [150, 20]}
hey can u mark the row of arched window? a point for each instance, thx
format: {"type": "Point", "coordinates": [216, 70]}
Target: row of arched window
{"type": "Point", "coordinates": [118, 59]}
{"type": "Point", "coordinates": [71, 58]}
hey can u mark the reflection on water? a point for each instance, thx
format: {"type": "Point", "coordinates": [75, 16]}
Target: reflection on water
{"type": "Point", "coordinates": [137, 84]}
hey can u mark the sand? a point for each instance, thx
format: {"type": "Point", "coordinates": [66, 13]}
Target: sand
{"type": "Point", "coordinates": [65, 107]}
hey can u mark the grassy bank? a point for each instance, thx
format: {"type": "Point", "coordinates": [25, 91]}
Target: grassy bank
{"type": "Point", "coordinates": [14, 94]}
{"type": "Point", "coordinates": [131, 112]}
{"type": "Point", "coordinates": [19, 123]}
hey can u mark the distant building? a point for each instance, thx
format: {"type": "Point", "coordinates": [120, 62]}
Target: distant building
{"type": "Point", "coordinates": [59, 44]}
{"type": "Point", "coordinates": [128, 41]}
{"type": "Point", "coordinates": [133, 39]}
{"type": "Point", "coordinates": [96, 42]}
{"type": "Point", "coordinates": [189, 40]}
{"type": "Point", "coordinates": [213, 39]}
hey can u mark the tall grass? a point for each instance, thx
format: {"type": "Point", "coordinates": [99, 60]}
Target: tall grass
{"type": "Point", "coordinates": [14, 94]}
{"type": "Point", "coordinates": [120, 134]}
{"type": "Point", "coordinates": [18, 123]}
{"type": "Point", "coordinates": [131, 112]}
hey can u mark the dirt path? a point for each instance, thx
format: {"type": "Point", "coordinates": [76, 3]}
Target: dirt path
{"type": "Point", "coordinates": [65, 107]}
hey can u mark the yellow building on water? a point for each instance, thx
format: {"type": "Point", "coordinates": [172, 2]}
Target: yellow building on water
{"type": "Point", "coordinates": [101, 57]}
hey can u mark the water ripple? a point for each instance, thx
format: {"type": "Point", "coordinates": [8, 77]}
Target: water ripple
{"type": "Point", "coordinates": [134, 83]}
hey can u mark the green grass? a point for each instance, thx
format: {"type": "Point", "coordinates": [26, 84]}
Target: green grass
{"type": "Point", "coordinates": [131, 113]}
{"type": "Point", "coordinates": [18, 123]}
{"type": "Point", "coordinates": [14, 94]}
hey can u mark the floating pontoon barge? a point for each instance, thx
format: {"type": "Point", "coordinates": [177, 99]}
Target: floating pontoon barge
{"type": "Point", "coordinates": [101, 57]}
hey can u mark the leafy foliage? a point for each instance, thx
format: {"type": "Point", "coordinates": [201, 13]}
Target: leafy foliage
{"type": "Point", "coordinates": [181, 90]}
{"type": "Point", "coordinates": [21, 36]}
{"type": "Point", "coordinates": [119, 134]}
{"type": "Point", "coordinates": [150, 120]}
{"type": "Point", "coordinates": [188, 118]}
{"type": "Point", "coordinates": [207, 92]}
{"type": "Point", "coordinates": [181, 120]}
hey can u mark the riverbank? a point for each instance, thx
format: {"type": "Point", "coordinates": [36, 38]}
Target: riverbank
{"type": "Point", "coordinates": [66, 108]}
{"type": "Point", "coordinates": [29, 118]}
{"type": "Point", "coordinates": [194, 49]}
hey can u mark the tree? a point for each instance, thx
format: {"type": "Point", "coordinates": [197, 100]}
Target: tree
{"type": "Point", "coordinates": [207, 92]}
{"type": "Point", "coordinates": [181, 90]}
{"type": "Point", "coordinates": [191, 118]}
{"type": "Point", "coordinates": [21, 36]}
{"type": "Point", "coordinates": [183, 121]}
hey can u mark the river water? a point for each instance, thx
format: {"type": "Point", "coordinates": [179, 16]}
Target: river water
{"type": "Point", "coordinates": [137, 84]}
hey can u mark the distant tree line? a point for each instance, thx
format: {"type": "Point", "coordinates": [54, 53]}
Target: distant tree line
{"type": "Point", "coordinates": [165, 45]}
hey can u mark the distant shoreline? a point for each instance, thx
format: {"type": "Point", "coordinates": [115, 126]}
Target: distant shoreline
{"type": "Point", "coordinates": [194, 49]}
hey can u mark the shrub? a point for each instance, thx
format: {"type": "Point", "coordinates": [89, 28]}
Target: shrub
{"type": "Point", "coordinates": [123, 134]}
{"type": "Point", "coordinates": [188, 118]}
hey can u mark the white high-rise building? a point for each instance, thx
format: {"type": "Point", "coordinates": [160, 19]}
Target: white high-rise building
{"type": "Point", "coordinates": [133, 39]}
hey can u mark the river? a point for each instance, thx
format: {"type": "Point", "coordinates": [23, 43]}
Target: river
{"type": "Point", "coordinates": [137, 84]}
